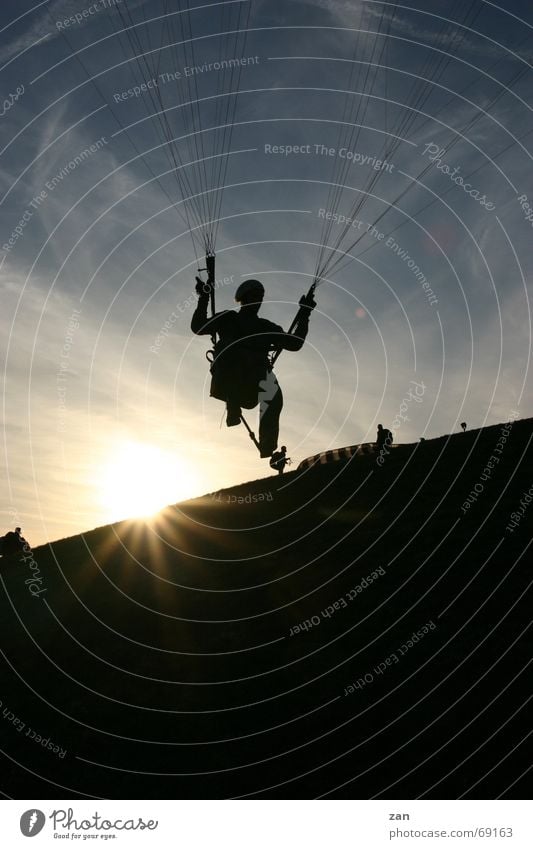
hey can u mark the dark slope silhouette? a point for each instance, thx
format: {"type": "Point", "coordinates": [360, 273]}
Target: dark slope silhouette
{"type": "Point", "coordinates": [160, 658]}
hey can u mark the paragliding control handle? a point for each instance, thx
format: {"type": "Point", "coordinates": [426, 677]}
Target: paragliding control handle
{"type": "Point", "coordinates": [307, 302]}
{"type": "Point", "coordinates": [210, 268]}
{"type": "Point", "coordinates": [208, 287]}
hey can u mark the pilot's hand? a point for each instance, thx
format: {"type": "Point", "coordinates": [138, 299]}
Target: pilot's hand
{"type": "Point", "coordinates": [203, 288]}
{"type": "Point", "coordinates": [307, 302]}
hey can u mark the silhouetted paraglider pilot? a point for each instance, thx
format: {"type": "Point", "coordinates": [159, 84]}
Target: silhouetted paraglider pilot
{"type": "Point", "coordinates": [463, 425]}
{"type": "Point", "coordinates": [242, 375]}
{"type": "Point", "coordinates": [384, 437]}
{"type": "Point", "coordinates": [279, 460]}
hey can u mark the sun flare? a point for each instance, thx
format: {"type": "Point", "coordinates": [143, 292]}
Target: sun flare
{"type": "Point", "coordinates": [139, 479]}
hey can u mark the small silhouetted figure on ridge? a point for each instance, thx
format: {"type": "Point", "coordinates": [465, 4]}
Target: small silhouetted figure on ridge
{"type": "Point", "coordinates": [463, 425]}
{"type": "Point", "coordinates": [384, 437]}
{"type": "Point", "coordinates": [279, 460]}
{"type": "Point", "coordinates": [12, 542]}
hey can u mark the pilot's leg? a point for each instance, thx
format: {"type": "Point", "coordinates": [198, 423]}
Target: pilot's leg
{"type": "Point", "coordinates": [270, 405]}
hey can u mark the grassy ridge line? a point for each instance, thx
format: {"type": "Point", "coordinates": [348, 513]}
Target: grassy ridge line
{"type": "Point", "coordinates": [460, 442]}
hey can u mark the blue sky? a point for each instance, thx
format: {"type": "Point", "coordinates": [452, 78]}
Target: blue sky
{"type": "Point", "coordinates": [96, 282]}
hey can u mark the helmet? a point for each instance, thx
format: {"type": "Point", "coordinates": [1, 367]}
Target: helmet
{"type": "Point", "coordinates": [250, 291]}
{"type": "Point", "coordinates": [283, 447]}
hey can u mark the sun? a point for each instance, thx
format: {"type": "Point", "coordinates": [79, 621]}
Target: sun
{"type": "Point", "coordinates": [139, 479]}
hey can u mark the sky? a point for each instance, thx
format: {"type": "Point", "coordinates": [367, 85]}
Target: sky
{"type": "Point", "coordinates": [412, 120]}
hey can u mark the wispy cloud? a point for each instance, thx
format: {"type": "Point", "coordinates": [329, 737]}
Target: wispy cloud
{"type": "Point", "coordinates": [43, 26]}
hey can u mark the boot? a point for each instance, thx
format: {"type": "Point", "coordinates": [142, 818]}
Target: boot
{"type": "Point", "coordinates": [266, 449]}
{"type": "Point", "coordinates": [233, 414]}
